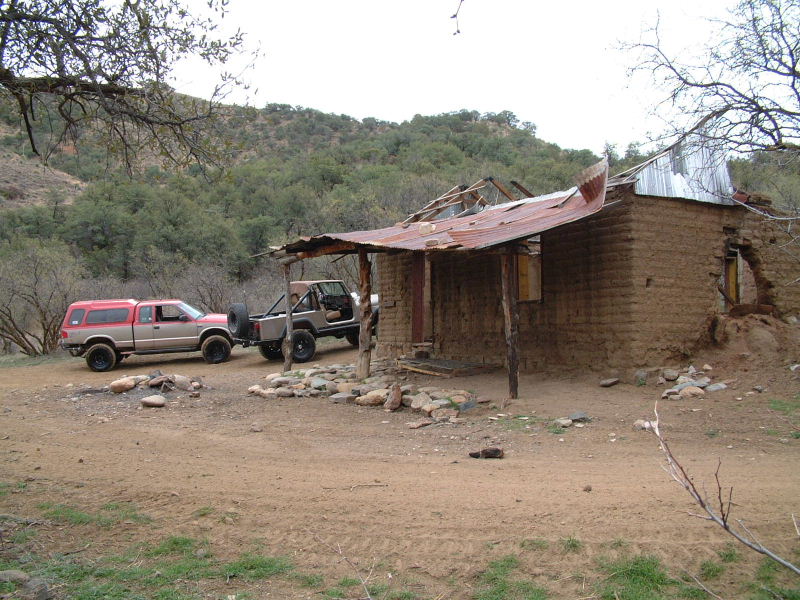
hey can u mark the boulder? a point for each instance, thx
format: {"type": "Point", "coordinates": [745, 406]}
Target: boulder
{"type": "Point", "coordinates": [609, 382]}
{"type": "Point", "coordinates": [579, 417]}
{"type": "Point", "coordinates": [409, 389]}
{"type": "Point", "coordinates": [692, 392]}
{"type": "Point", "coordinates": [444, 414]}
{"type": "Point", "coordinates": [284, 381]}
{"type": "Point", "coordinates": [670, 374]}
{"type": "Point", "coordinates": [272, 376]}
{"type": "Point", "coordinates": [395, 398]}
{"type": "Point", "coordinates": [641, 424]}
{"type": "Point", "coordinates": [407, 400]}
{"type": "Point", "coordinates": [284, 392]}
{"type": "Point", "coordinates": [156, 401]}
{"type": "Point", "coordinates": [420, 400]}
{"type": "Point", "coordinates": [343, 398]}
{"type": "Point", "coordinates": [563, 422]}
{"type": "Point", "coordinates": [182, 382]}
{"type": "Point", "coordinates": [122, 385]}
{"type": "Point", "coordinates": [318, 383]}
{"type": "Point", "coordinates": [346, 387]}
{"type": "Point", "coordinates": [332, 387]}
{"type": "Point", "coordinates": [716, 387]}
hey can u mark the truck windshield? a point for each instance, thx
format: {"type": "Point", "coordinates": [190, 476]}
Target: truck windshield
{"type": "Point", "coordinates": [191, 310]}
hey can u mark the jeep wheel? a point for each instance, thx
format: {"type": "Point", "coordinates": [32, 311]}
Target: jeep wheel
{"type": "Point", "coordinates": [304, 346]}
{"type": "Point", "coordinates": [352, 337]}
{"type": "Point", "coordinates": [270, 353]}
{"type": "Point", "coordinates": [239, 321]}
{"type": "Point", "coordinates": [216, 349]}
{"type": "Point", "coordinates": [101, 357]}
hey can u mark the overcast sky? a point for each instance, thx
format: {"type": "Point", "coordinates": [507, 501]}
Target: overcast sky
{"type": "Point", "coordinates": [556, 64]}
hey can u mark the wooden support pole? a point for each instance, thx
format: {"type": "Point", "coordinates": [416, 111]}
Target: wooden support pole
{"type": "Point", "coordinates": [365, 307]}
{"type": "Point", "coordinates": [510, 321]}
{"type": "Point", "coordinates": [287, 345]}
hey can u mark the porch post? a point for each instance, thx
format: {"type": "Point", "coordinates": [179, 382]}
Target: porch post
{"type": "Point", "coordinates": [365, 306]}
{"type": "Point", "coordinates": [287, 345]}
{"type": "Point", "coordinates": [510, 320]}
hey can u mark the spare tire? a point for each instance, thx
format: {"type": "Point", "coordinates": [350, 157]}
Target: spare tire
{"type": "Point", "coordinates": [239, 321]}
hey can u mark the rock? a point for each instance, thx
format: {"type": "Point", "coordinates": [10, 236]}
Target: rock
{"type": "Point", "coordinates": [156, 373]}
{"type": "Point", "coordinates": [14, 576]}
{"type": "Point", "coordinates": [407, 400]}
{"type": "Point", "coordinates": [692, 392]}
{"type": "Point", "coordinates": [122, 385]}
{"type": "Point", "coordinates": [440, 394]}
{"type": "Point", "coordinates": [254, 389]}
{"type": "Point", "coordinates": [434, 404]}
{"type": "Point", "coordinates": [702, 382]}
{"type": "Point", "coordinates": [609, 382]}
{"type": "Point", "coordinates": [670, 374]}
{"type": "Point", "coordinates": [157, 381]}
{"type": "Point", "coordinates": [182, 382]}
{"type": "Point", "coordinates": [284, 392]}
{"type": "Point", "coordinates": [420, 423]}
{"type": "Point", "coordinates": [691, 370]}
{"type": "Point", "coordinates": [332, 387]}
{"type": "Point", "coordinates": [587, 488]}
{"type": "Point", "coordinates": [579, 417]}
{"type": "Point", "coordinates": [36, 589]}
{"type": "Point", "coordinates": [716, 387]}
{"type": "Point", "coordinates": [683, 379]}
{"type": "Point", "coordinates": [758, 388]}
{"type": "Point", "coordinates": [492, 452]}
{"type": "Point", "coordinates": [707, 367]}
{"type": "Point", "coordinates": [459, 399]}
{"type": "Point", "coordinates": [409, 389]}
{"type": "Point", "coordinates": [155, 401]}
{"type": "Point", "coordinates": [661, 380]}
{"type": "Point", "coordinates": [346, 387]}
{"type": "Point", "coordinates": [428, 389]}
{"type": "Point", "coordinates": [369, 400]}
{"type": "Point", "coordinates": [419, 401]}
{"type": "Point", "coordinates": [283, 381]}
{"type": "Point", "coordinates": [343, 398]}
{"type": "Point", "coordinates": [670, 393]}
{"type": "Point", "coordinates": [256, 427]}
{"type": "Point", "coordinates": [641, 424]}
{"type": "Point", "coordinates": [395, 398]}
{"type": "Point", "coordinates": [194, 394]}
{"type": "Point", "coordinates": [272, 376]}
{"type": "Point", "coordinates": [444, 413]}
{"type": "Point", "coordinates": [196, 385]}
{"type": "Point", "coordinates": [297, 386]}
{"type": "Point", "coordinates": [318, 383]}
{"type": "Point", "coordinates": [467, 405]}
{"type": "Point", "coordinates": [456, 420]}
{"type": "Point", "coordinates": [563, 422]}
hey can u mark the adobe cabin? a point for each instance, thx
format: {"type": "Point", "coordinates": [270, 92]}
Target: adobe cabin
{"type": "Point", "coordinates": [620, 273]}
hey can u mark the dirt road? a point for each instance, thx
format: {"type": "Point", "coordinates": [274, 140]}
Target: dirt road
{"type": "Point", "coordinates": [320, 476]}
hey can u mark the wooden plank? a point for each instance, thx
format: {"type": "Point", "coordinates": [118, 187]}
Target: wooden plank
{"type": "Point", "coordinates": [329, 249]}
{"type": "Point", "coordinates": [365, 308]}
{"type": "Point", "coordinates": [287, 345]}
{"type": "Point", "coordinates": [503, 189]}
{"type": "Point", "coordinates": [408, 367]}
{"type": "Point", "coordinates": [431, 204]}
{"type": "Point", "coordinates": [522, 189]}
{"type": "Point", "coordinates": [510, 321]}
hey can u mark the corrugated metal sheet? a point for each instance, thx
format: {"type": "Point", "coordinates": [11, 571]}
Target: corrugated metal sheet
{"type": "Point", "coordinates": [690, 169]}
{"type": "Point", "coordinates": [491, 227]}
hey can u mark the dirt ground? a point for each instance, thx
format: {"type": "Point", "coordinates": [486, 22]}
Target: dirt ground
{"type": "Point", "coordinates": [322, 476]}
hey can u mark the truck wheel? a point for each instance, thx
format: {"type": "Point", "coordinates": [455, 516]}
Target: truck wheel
{"type": "Point", "coordinates": [238, 320]}
{"type": "Point", "coordinates": [270, 353]}
{"type": "Point", "coordinates": [216, 349]}
{"type": "Point", "coordinates": [304, 346]}
{"type": "Point", "coordinates": [352, 337]}
{"type": "Point", "coordinates": [101, 357]}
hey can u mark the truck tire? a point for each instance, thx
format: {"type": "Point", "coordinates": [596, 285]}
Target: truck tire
{"type": "Point", "coordinates": [304, 346]}
{"type": "Point", "coordinates": [101, 357]}
{"type": "Point", "coordinates": [352, 337]}
{"type": "Point", "coordinates": [239, 321]}
{"type": "Point", "coordinates": [216, 349]}
{"type": "Point", "coordinates": [270, 353]}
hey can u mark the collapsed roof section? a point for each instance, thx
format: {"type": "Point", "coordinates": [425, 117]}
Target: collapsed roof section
{"type": "Point", "coordinates": [491, 226]}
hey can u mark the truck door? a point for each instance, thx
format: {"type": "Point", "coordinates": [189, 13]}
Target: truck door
{"type": "Point", "coordinates": [172, 328]}
{"type": "Point", "coordinates": [143, 328]}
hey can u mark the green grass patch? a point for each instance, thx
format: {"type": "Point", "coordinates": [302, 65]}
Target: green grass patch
{"type": "Point", "coordinates": [729, 554]}
{"type": "Point", "coordinates": [175, 545]}
{"type": "Point", "coordinates": [309, 580]}
{"type": "Point", "coordinates": [712, 433]}
{"type": "Point", "coordinates": [334, 593]}
{"type": "Point", "coordinates": [255, 566]}
{"type": "Point", "coordinates": [619, 544]}
{"type": "Point", "coordinates": [787, 407]}
{"type": "Point", "coordinates": [109, 514]}
{"type": "Point", "coordinates": [22, 536]}
{"type": "Point", "coordinates": [203, 511]}
{"type": "Point", "coordinates": [636, 578]}
{"type": "Point", "coordinates": [534, 544]}
{"type": "Point", "coordinates": [571, 544]}
{"type": "Point", "coordinates": [496, 583]}
{"type": "Point", "coordinates": [710, 569]}
{"type": "Point", "coordinates": [347, 582]}
{"type": "Point", "coordinates": [796, 435]}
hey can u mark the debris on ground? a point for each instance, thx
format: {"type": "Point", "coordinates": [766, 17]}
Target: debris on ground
{"type": "Point", "coordinates": [492, 452]}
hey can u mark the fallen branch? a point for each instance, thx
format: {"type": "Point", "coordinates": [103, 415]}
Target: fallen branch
{"type": "Point", "coordinates": [721, 514]}
{"type": "Point", "coordinates": [702, 587]}
{"type": "Point", "coordinates": [338, 550]}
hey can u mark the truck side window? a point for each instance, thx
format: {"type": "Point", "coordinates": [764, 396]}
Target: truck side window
{"type": "Point", "coordinates": [168, 312]}
{"type": "Point", "coordinates": [146, 314]}
{"type": "Point", "coordinates": [76, 316]}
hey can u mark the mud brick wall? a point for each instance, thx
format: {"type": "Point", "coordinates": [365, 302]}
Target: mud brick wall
{"type": "Point", "coordinates": [394, 292]}
{"type": "Point", "coordinates": [679, 250]}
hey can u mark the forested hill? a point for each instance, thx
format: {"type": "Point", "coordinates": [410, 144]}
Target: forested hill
{"type": "Point", "coordinates": [296, 171]}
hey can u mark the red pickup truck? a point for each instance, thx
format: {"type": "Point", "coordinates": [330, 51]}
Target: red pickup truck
{"type": "Point", "coordinates": [106, 331]}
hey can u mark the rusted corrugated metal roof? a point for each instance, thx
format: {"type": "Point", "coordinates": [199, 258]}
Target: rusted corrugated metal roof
{"type": "Point", "coordinates": [690, 169]}
{"type": "Point", "coordinates": [493, 226]}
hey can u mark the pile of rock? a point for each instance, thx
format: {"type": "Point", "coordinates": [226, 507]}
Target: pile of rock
{"type": "Point", "coordinates": [157, 381]}
{"type": "Point", "coordinates": [386, 388]}
{"type": "Point", "coordinates": [689, 383]}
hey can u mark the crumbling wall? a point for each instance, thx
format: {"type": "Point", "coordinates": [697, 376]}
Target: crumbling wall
{"type": "Point", "coordinates": [679, 250]}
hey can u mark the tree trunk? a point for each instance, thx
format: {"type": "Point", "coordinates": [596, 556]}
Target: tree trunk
{"type": "Point", "coordinates": [510, 322]}
{"type": "Point", "coordinates": [365, 307]}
